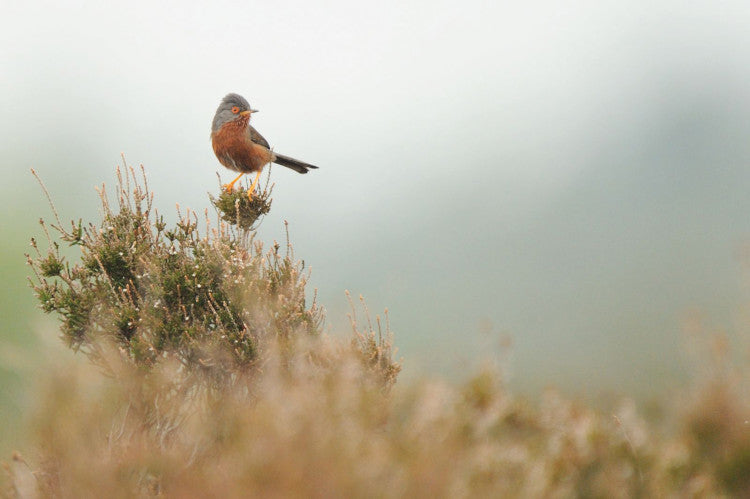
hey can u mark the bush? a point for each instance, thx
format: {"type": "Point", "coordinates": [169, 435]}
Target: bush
{"type": "Point", "coordinates": [157, 292]}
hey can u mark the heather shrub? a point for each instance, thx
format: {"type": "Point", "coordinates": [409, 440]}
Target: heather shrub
{"type": "Point", "coordinates": [206, 300]}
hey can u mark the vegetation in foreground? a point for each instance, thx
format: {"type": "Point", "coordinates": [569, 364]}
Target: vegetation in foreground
{"type": "Point", "coordinates": [210, 377]}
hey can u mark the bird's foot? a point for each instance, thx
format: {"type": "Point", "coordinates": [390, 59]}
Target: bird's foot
{"type": "Point", "coordinates": [253, 186]}
{"type": "Point", "coordinates": [228, 187]}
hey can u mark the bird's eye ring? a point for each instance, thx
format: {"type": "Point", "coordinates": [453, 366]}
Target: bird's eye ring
{"type": "Point", "coordinates": [235, 110]}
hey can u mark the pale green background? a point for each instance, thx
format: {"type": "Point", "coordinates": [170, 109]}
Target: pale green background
{"type": "Point", "coordinates": [572, 174]}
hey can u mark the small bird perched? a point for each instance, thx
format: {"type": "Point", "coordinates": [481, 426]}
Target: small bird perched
{"type": "Point", "coordinates": [240, 147]}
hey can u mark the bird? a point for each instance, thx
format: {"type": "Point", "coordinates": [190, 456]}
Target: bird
{"type": "Point", "coordinates": [239, 147]}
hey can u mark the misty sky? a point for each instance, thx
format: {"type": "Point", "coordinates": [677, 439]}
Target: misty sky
{"type": "Point", "coordinates": [574, 174]}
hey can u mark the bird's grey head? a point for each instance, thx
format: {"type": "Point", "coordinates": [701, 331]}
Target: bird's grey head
{"type": "Point", "coordinates": [232, 107]}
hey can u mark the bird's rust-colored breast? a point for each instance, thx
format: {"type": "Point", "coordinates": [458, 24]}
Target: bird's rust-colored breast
{"type": "Point", "coordinates": [236, 151]}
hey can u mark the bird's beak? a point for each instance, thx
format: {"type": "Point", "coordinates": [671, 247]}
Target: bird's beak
{"type": "Point", "coordinates": [249, 111]}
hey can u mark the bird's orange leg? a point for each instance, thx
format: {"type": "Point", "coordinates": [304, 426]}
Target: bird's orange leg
{"type": "Point", "coordinates": [230, 185]}
{"type": "Point", "coordinates": [252, 187]}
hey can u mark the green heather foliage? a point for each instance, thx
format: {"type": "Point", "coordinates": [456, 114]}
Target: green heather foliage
{"type": "Point", "coordinates": [237, 208]}
{"type": "Point", "coordinates": [290, 412]}
{"type": "Point", "coordinates": [206, 299]}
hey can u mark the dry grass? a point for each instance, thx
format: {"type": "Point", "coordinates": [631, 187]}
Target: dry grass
{"type": "Point", "coordinates": [319, 424]}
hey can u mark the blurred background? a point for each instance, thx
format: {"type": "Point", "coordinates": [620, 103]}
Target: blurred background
{"type": "Point", "coordinates": [570, 175]}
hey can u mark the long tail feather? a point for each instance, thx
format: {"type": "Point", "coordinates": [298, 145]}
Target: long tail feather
{"type": "Point", "coordinates": [294, 164]}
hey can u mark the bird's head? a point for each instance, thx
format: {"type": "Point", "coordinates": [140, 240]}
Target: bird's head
{"type": "Point", "coordinates": [232, 107]}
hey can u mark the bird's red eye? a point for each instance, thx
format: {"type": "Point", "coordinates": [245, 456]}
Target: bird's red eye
{"type": "Point", "coordinates": [235, 110]}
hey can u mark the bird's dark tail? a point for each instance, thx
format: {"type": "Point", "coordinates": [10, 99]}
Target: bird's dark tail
{"type": "Point", "coordinates": [292, 163]}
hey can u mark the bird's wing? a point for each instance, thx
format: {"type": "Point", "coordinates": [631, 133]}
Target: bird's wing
{"type": "Point", "coordinates": [256, 137]}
